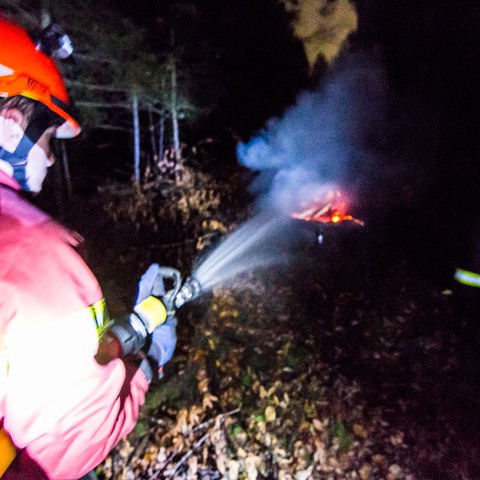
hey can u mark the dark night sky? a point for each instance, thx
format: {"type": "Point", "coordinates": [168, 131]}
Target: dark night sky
{"type": "Point", "coordinates": [431, 51]}
{"type": "Point", "coordinates": [430, 47]}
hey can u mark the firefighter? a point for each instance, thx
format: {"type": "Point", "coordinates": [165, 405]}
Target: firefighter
{"type": "Point", "coordinates": [61, 412]}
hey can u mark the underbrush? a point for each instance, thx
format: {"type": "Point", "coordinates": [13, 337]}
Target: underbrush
{"type": "Point", "coordinates": [250, 398]}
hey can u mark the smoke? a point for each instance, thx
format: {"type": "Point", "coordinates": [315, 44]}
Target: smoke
{"type": "Point", "coordinates": [320, 142]}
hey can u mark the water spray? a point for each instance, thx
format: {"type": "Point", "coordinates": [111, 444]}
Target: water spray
{"type": "Point", "coordinates": [250, 247]}
{"type": "Point", "coordinates": [254, 245]}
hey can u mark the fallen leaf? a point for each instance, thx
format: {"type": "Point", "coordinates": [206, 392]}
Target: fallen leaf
{"type": "Point", "coordinates": [360, 431]}
{"type": "Point", "coordinates": [270, 414]}
{"type": "Point", "coordinates": [208, 400]}
{"type": "Point", "coordinates": [304, 474]}
{"type": "Point", "coordinates": [317, 424]}
{"type": "Point", "coordinates": [233, 469]}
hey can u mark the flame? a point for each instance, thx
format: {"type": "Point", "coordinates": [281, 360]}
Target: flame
{"type": "Point", "coordinates": [330, 209]}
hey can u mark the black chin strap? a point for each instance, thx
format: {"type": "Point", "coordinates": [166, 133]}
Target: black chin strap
{"type": "Point", "coordinates": [42, 119]}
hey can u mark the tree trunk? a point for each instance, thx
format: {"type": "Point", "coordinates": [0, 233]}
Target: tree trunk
{"type": "Point", "coordinates": [151, 129]}
{"type": "Point", "coordinates": [161, 137]}
{"type": "Point", "coordinates": [136, 138]}
{"type": "Point", "coordinates": [173, 110]}
{"type": "Point", "coordinates": [66, 170]}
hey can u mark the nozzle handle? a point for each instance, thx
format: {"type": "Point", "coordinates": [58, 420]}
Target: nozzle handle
{"type": "Point", "coordinates": [169, 273]}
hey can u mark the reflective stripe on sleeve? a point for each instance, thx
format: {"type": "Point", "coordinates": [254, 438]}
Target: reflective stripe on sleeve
{"type": "Point", "coordinates": [466, 277]}
{"type": "Point", "coordinates": [99, 315]}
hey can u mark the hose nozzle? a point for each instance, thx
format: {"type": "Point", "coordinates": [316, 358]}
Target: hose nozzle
{"type": "Point", "coordinates": [189, 291]}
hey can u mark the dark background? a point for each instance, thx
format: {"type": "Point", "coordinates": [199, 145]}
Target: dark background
{"type": "Point", "coordinates": [422, 193]}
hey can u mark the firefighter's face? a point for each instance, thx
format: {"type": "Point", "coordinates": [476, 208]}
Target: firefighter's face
{"type": "Point", "coordinates": [31, 170]}
{"type": "Point", "coordinates": [39, 159]}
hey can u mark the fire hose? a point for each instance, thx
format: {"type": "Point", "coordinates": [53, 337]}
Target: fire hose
{"type": "Point", "coordinates": [129, 333]}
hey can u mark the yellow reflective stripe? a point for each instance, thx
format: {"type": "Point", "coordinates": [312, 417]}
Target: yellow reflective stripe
{"type": "Point", "coordinates": [97, 310]}
{"type": "Point", "coordinates": [7, 451]}
{"type": "Point", "coordinates": [99, 314]}
{"type": "Point", "coordinates": [466, 277]}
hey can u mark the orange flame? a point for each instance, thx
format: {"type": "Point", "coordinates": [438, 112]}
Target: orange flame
{"type": "Point", "coordinates": [331, 209]}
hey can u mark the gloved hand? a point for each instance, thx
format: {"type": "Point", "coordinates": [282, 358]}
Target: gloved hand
{"type": "Point", "coordinates": [163, 341]}
{"type": "Point", "coordinates": [164, 338]}
{"type": "Point", "coordinates": [160, 349]}
{"type": "Point", "coordinates": [151, 283]}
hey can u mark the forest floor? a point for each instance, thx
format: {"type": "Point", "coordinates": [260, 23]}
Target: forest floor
{"type": "Point", "coordinates": [345, 362]}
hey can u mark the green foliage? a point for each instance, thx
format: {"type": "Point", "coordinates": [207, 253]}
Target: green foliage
{"type": "Point", "coordinates": [247, 378]}
{"type": "Point", "coordinates": [140, 428]}
{"type": "Point", "coordinates": [166, 393]}
{"type": "Point", "coordinates": [341, 433]}
{"type": "Point", "coordinates": [259, 418]}
{"type": "Point", "coordinates": [236, 430]}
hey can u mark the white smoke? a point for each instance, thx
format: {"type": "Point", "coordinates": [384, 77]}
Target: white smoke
{"type": "Point", "coordinates": [317, 142]}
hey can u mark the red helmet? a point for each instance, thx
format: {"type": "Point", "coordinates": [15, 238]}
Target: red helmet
{"type": "Point", "coordinates": [26, 71]}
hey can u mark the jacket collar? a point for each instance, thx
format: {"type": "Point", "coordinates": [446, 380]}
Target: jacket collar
{"type": "Point", "coordinates": [8, 181]}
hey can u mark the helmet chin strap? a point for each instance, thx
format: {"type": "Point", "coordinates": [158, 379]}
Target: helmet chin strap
{"type": "Point", "coordinates": [18, 160]}
{"type": "Point", "coordinates": [41, 120]}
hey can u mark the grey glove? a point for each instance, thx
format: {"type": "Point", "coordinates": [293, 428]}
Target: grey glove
{"type": "Point", "coordinates": [164, 338]}
{"type": "Point", "coordinates": [151, 283]}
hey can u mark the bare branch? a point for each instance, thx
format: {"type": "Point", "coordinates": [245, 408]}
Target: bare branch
{"type": "Point", "coordinates": [113, 128]}
{"type": "Point", "coordinates": [91, 86]}
{"type": "Point", "coordinates": [126, 106]}
{"type": "Point", "coordinates": [187, 455]}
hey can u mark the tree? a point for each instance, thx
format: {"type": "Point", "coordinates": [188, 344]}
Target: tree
{"type": "Point", "coordinates": [115, 71]}
{"type": "Point", "coordinates": [323, 26]}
